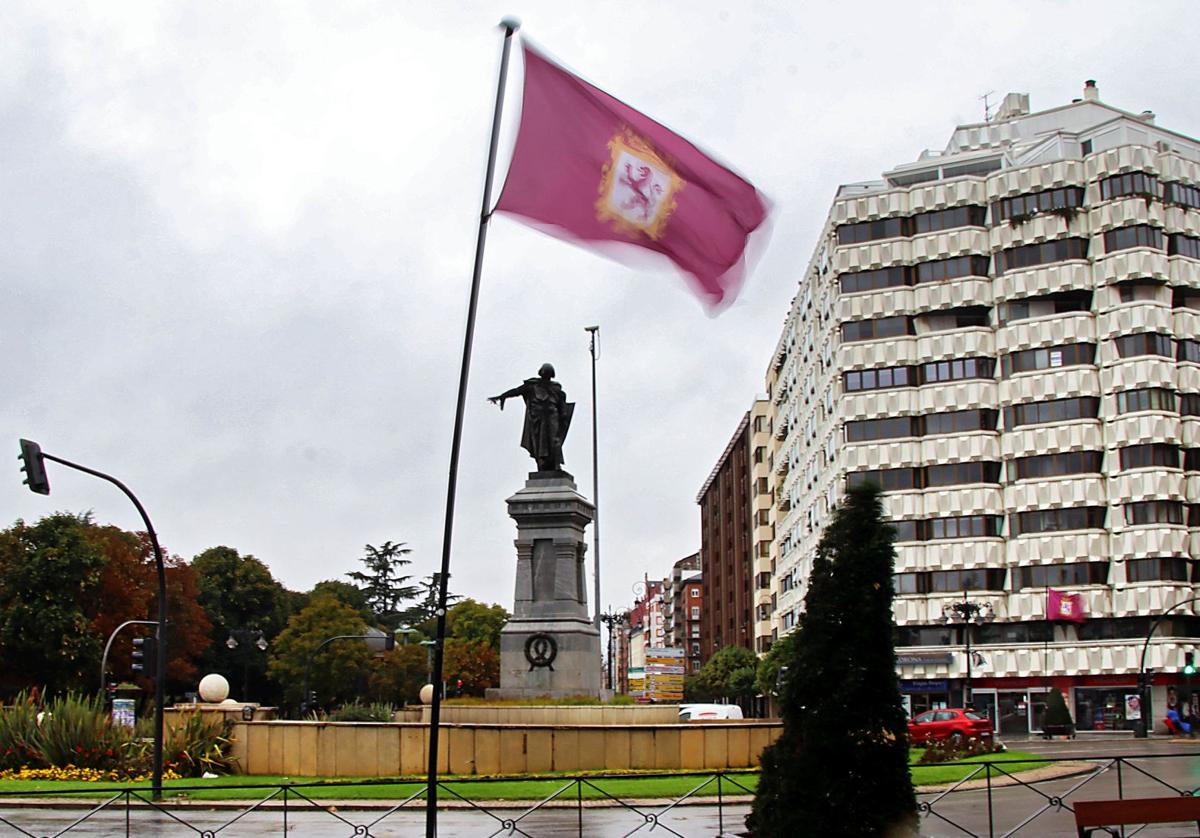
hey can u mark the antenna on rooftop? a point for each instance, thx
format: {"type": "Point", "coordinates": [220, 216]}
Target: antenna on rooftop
{"type": "Point", "coordinates": [987, 107]}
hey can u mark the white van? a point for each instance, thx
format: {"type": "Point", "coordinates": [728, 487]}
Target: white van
{"type": "Point", "coordinates": [698, 712]}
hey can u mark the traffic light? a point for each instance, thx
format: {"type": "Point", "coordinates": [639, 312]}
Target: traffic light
{"type": "Point", "coordinates": [1189, 663]}
{"type": "Point", "coordinates": [145, 656]}
{"type": "Point", "coordinates": [34, 467]}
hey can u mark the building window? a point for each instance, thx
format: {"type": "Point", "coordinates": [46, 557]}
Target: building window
{"type": "Point", "coordinates": [695, 592]}
{"type": "Point", "coordinates": [865, 430]}
{"type": "Point", "coordinates": [881, 378]}
{"type": "Point", "coordinates": [1045, 575]}
{"type": "Point", "coordinates": [1056, 465]}
{"type": "Point", "coordinates": [931, 222]}
{"type": "Point", "coordinates": [955, 268]}
{"type": "Point", "coordinates": [1183, 194]}
{"type": "Point", "coordinates": [1145, 343]}
{"type": "Point", "coordinates": [1030, 360]}
{"type": "Point", "coordinates": [905, 531]}
{"type": "Point", "coordinates": [1044, 253]}
{"type": "Point", "coordinates": [962, 526]}
{"type": "Point", "coordinates": [1181, 245]}
{"type": "Point", "coordinates": [1149, 398]}
{"type": "Point", "coordinates": [1187, 350]}
{"type": "Point", "coordinates": [1137, 235]}
{"type": "Point", "coordinates": [957, 474]}
{"type": "Point", "coordinates": [1166, 569]}
{"type": "Point", "coordinates": [956, 370]}
{"type": "Point", "coordinates": [897, 276]}
{"type": "Point", "coordinates": [883, 327]}
{"type": "Point", "coordinates": [888, 479]}
{"type": "Point", "coordinates": [1154, 455]}
{"type": "Point", "coordinates": [695, 612]}
{"type": "Point", "coordinates": [1023, 206]}
{"type": "Point", "coordinates": [947, 581]}
{"type": "Point", "coordinates": [865, 231]}
{"type": "Point", "coordinates": [1130, 183]}
{"type": "Point", "coordinates": [1058, 520]}
{"type": "Point", "coordinates": [1153, 512]}
{"type": "Point", "coordinates": [924, 635]}
{"type": "Point", "coordinates": [958, 421]}
{"type": "Point", "coordinates": [1189, 404]}
{"type": "Point", "coordinates": [1045, 305]}
{"type": "Point", "coordinates": [1055, 410]}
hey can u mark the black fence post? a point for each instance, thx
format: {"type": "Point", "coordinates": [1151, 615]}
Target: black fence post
{"type": "Point", "coordinates": [579, 804]}
{"type": "Point", "coordinates": [720, 806]}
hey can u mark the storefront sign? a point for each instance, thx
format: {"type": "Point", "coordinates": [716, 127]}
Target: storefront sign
{"type": "Point", "coordinates": [918, 658]}
{"type": "Point", "coordinates": [1133, 707]}
{"type": "Point", "coordinates": [914, 686]}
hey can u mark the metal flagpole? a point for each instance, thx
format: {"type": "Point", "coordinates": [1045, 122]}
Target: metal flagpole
{"type": "Point", "coordinates": [510, 26]}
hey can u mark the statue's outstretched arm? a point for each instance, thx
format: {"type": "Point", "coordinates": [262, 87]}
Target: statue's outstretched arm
{"type": "Point", "coordinates": [507, 394]}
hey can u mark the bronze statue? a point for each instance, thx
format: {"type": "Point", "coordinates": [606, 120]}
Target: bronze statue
{"type": "Point", "coordinates": [547, 417]}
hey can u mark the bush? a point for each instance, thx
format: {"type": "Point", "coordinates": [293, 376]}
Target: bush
{"type": "Point", "coordinates": [355, 712]}
{"type": "Point", "coordinates": [1057, 714]}
{"type": "Point", "coordinates": [76, 732]}
{"type": "Point", "coordinates": [947, 750]}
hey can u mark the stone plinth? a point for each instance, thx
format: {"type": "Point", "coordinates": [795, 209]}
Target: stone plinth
{"type": "Point", "coordinates": [550, 647]}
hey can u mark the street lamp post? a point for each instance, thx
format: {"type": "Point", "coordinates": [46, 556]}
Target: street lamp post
{"type": "Point", "coordinates": [389, 640]}
{"type": "Point", "coordinates": [611, 619]}
{"type": "Point", "coordinates": [594, 350]}
{"type": "Point", "coordinates": [232, 643]}
{"type": "Point", "coordinates": [968, 613]}
{"type": "Point", "coordinates": [35, 467]}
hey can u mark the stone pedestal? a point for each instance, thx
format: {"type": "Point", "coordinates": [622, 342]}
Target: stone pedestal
{"type": "Point", "coordinates": [550, 647]}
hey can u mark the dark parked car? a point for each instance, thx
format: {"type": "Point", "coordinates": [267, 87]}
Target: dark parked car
{"type": "Point", "coordinates": [952, 723]}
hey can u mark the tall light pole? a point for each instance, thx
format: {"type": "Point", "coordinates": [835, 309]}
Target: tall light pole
{"type": "Point", "coordinates": [612, 619]}
{"type": "Point", "coordinates": [594, 350]}
{"type": "Point", "coordinates": [231, 643]}
{"type": "Point", "coordinates": [968, 613]}
{"type": "Point", "coordinates": [34, 467]}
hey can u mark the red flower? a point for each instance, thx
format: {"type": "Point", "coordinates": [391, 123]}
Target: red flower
{"type": "Point", "coordinates": [108, 752]}
{"type": "Point", "coordinates": [79, 749]}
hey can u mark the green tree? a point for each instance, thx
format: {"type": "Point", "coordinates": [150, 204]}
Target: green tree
{"type": "Point", "coordinates": [397, 676]}
{"type": "Point", "coordinates": [49, 575]}
{"type": "Point", "coordinates": [844, 737]}
{"type": "Point", "coordinates": [385, 587]}
{"type": "Point", "coordinates": [767, 677]}
{"type": "Point", "coordinates": [352, 595]}
{"type": "Point", "coordinates": [239, 593]}
{"type": "Point", "coordinates": [337, 669]}
{"type": "Point", "coordinates": [728, 674]}
{"type": "Point", "coordinates": [423, 613]}
{"type": "Point", "coordinates": [475, 622]}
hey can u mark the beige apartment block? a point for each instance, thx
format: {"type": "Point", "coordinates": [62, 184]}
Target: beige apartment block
{"type": "Point", "coordinates": [1005, 335]}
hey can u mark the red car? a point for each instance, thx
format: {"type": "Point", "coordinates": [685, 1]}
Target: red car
{"type": "Point", "coordinates": [952, 723]}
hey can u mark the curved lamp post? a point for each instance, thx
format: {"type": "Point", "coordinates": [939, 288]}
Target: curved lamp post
{"type": "Point", "coordinates": [967, 613]}
{"type": "Point", "coordinates": [33, 458]}
{"type": "Point", "coordinates": [1143, 682]}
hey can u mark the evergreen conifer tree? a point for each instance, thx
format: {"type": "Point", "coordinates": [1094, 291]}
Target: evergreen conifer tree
{"type": "Point", "coordinates": [840, 768]}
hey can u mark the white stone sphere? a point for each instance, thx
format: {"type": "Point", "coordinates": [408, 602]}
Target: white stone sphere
{"type": "Point", "coordinates": [214, 688]}
{"type": "Point", "coordinates": [231, 701]}
{"type": "Point", "coordinates": [426, 694]}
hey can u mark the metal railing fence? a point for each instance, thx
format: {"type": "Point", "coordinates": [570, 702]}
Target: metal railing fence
{"type": "Point", "coordinates": [998, 798]}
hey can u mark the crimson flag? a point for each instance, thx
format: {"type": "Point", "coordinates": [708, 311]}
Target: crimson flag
{"type": "Point", "coordinates": [587, 167]}
{"type": "Point", "coordinates": [1068, 607]}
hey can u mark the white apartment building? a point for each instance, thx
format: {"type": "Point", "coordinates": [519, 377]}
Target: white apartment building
{"type": "Point", "coordinates": [1005, 335]}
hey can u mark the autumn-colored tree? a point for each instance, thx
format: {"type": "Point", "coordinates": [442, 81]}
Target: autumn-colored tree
{"type": "Point", "coordinates": [477, 665]}
{"type": "Point", "coordinates": [397, 676]}
{"type": "Point", "coordinates": [128, 590]}
{"type": "Point", "coordinates": [335, 671]}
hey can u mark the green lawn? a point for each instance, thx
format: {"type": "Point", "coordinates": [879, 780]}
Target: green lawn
{"type": "Point", "coordinates": [535, 788]}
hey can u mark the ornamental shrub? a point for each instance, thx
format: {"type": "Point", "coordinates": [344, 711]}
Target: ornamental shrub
{"type": "Point", "coordinates": [840, 767]}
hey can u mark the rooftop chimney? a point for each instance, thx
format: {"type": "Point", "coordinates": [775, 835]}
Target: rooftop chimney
{"type": "Point", "coordinates": [1091, 93]}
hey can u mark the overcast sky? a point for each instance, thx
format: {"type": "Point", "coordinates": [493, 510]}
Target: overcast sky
{"type": "Point", "coordinates": [237, 239]}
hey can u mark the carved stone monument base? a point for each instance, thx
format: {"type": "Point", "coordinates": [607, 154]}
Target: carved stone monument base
{"type": "Point", "coordinates": [550, 648]}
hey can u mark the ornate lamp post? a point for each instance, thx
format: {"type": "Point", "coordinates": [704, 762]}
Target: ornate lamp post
{"type": "Point", "coordinates": [612, 620]}
{"type": "Point", "coordinates": [232, 643]}
{"type": "Point", "coordinates": [967, 613]}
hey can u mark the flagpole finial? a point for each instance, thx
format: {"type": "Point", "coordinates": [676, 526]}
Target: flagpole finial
{"type": "Point", "coordinates": [512, 24]}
